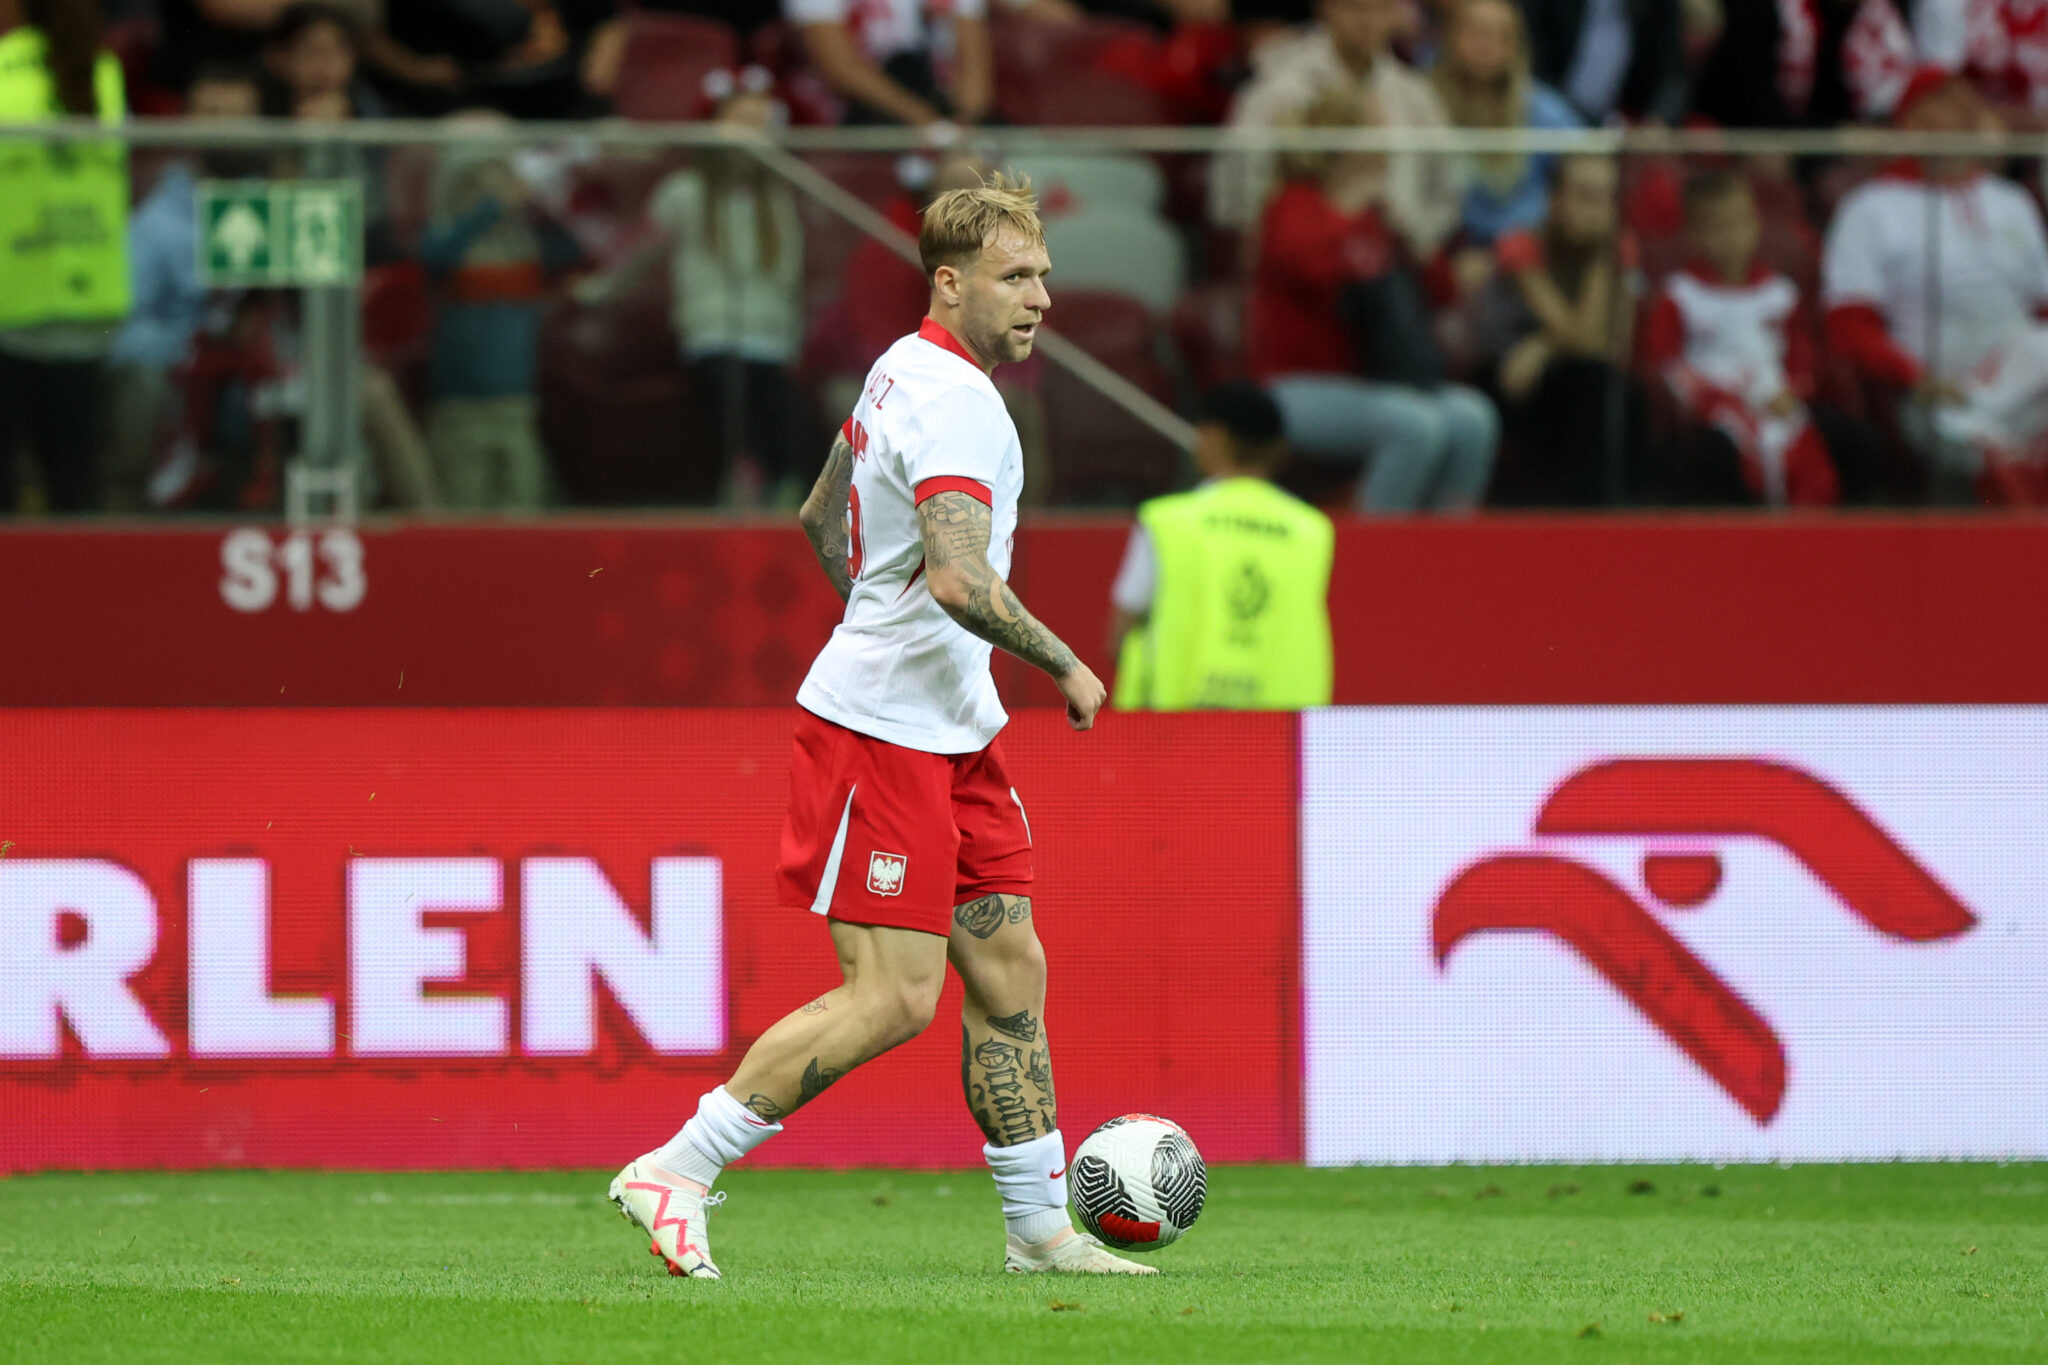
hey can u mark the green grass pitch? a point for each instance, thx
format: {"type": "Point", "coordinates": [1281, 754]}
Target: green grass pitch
{"type": "Point", "coordinates": [1523, 1265]}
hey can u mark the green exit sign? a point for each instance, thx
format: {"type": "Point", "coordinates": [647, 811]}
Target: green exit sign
{"type": "Point", "coordinates": [280, 233]}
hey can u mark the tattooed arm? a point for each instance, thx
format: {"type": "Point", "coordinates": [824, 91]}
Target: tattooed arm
{"type": "Point", "coordinates": [824, 515]}
{"type": "Point", "coordinates": [956, 530]}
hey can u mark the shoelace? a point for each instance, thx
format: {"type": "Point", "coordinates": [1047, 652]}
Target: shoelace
{"type": "Point", "coordinates": [712, 1201]}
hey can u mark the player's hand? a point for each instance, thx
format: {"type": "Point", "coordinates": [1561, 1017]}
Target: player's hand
{"type": "Point", "coordinates": [1084, 693]}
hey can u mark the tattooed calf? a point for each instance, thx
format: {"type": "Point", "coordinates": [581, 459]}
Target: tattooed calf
{"type": "Point", "coordinates": [1006, 1115]}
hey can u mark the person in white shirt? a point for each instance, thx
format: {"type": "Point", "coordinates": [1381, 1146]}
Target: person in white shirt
{"type": "Point", "coordinates": [903, 826]}
{"type": "Point", "coordinates": [919, 62]}
{"type": "Point", "coordinates": [1935, 277]}
{"type": "Point", "coordinates": [1348, 49]}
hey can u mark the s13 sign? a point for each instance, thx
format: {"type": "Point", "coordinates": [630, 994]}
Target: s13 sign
{"type": "Point", "coordinates": [1647, 934]}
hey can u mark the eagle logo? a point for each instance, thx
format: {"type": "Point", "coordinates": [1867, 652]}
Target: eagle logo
{"type": "Point", "coordinates": [885, 873]}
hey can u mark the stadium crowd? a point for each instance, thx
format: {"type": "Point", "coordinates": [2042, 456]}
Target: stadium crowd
{"type": "Point", "coordinates": [562, 324]}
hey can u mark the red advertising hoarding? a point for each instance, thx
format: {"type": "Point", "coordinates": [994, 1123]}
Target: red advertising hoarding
{"type": "Point", "coordinates": [525, 938]}
{"type": "Point", "coordinates": [1498, 611]}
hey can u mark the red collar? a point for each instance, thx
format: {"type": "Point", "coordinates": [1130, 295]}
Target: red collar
{"type": "Point", "coordinates": [1705, 274]}
{"type": "Point", "coordinates": [934, 331]}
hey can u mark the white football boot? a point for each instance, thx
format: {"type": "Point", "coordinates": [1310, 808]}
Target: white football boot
{"type": "Point", "coordinates": [1068, 1252]}
{"type": "Point", "coordinates": [673, 1212]}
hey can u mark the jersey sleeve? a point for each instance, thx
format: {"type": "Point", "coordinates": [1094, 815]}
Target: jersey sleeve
{"type": "Point", "coordinates": [956, 443]}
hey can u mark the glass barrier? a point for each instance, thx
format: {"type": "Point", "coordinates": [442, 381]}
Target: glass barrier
{"type": "Point", "coordinates": [533, 318]}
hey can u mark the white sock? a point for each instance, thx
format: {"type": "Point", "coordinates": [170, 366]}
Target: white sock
{"type": "Point", "coordinates": [1032, 1179]}
{"type": "Point", "coordinates": [723, 1131]}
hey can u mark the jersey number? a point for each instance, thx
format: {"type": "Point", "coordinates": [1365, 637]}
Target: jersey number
{"type": "Point", "coordinates": [855, 553]}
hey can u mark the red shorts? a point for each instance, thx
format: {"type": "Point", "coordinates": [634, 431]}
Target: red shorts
{"type": "Point", "coordinates": [881, 834]}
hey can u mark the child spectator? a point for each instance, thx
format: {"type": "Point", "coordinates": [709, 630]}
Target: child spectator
{"type": "Point", "coordinates": [491, 250]}
{"type": "Point", "coordinates": [736, 273]}
{"type": "Point", "coordinates": [1370, 392]}
{"type": "Point", "coordinates": [1558, 316]}
{"type": "Point", "coordinates": [1731, 338]}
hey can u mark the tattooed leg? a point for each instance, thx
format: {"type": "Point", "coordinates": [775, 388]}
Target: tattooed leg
{"type": "Point", "coordinates": [1005, 1058]}
{"type": "Point", "coordinates": [891, 989]}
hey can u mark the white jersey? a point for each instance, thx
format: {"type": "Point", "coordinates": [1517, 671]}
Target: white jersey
{"type": "Point", "coordinates": [897, 667]}
{"type": "Point", "coordinates": [884, 28]}
{"type": "Point", "coordinates": [1983, 276]}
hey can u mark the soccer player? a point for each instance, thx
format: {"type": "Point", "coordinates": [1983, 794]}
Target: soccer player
{"type": "Point", "coordinates": [903, 827]}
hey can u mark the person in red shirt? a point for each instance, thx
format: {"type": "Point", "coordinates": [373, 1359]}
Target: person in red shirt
{"type": "Point", "coordinates": [1338, 331]}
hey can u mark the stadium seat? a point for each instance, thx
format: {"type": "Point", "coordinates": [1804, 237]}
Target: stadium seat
{"type": "Point", "coordinates": [1123, 252]}
{"type": "Point", "coordinates": [1070, 184]}
{"type": "Point", "coordinates": [661, 75]}
{"type": "Point", "coordinates": [1101, 454]}
{"type": "Point", "coordinates": [1056, 73]}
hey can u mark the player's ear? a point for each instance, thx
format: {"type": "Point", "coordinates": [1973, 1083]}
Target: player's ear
{"type": "Point", "coordinates": [946, 284]}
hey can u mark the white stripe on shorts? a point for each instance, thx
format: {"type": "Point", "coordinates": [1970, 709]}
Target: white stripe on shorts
{"type": "Point", "coordinates": [823, 904]}
{"type": "Point", "coordinates": [1018, 802]}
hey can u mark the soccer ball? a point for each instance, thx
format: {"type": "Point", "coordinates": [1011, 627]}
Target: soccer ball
{"type": "Point", "coordinates": [1138, 1183]}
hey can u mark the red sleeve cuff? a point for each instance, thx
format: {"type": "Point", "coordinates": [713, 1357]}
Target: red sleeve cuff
{"type": "Point", "coordinates": [954, 484]}
{"type": "Point", "coordinates": [845, 429]}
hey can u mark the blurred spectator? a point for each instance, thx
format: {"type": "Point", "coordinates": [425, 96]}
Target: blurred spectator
{"type": "Point", "coordinates": [315, 51]}
{"type": "Point", "coordinates": [901, 61]}
{"type": "Point", "coordinates": [170, 297]}
{"type": "Point", "coordinates": [2001, 46]}
{"type": "Point", "coordinates": [1223, 597]}
{"type": "Point", "coordinates": [64, 284]}
{"type": "Point", "coordinates": [1558, 316]}
{"type": "Point", "coordinates": [736, 283]}
{"type": "Point", "coordinates": [1611, 57]}
{"type": "Point", "coordinates": [1328, 257]}
{"type": "Point", "coordinates": [492, 250]}
{"type": "Point", "coordinates": [196, 32]}
{"type": "Point", "coordinates": [538, 59]}
{"type": "Point", "coordinates": [1732, 339]}
{"type": "Point", "coordinates": [1482, 77]}
{"type": "Point", "coordinates": [1935, 275]}
{"type": "Point", "coordinates": [1346, 50]}
{"type": "Point", "coordinates": [1804, 63]}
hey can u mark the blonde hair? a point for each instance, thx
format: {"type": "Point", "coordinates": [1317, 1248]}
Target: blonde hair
{"type": "Point", "coordinates": [1335, 106]}
{"type": "Point", "coordinates": [1504, 106]}
{"type": "Point", "coordinates": [959, 223]}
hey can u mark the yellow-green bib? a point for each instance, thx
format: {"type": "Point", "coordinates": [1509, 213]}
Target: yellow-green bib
{"type": "Point", "coordinates": [1240, 615]}
{"type": "Point", "coordinates": [63, 206]}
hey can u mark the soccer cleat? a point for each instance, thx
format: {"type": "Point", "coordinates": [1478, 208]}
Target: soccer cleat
{"type": "Point", "coordinates": [670, 1211]}
{"type": "Point", "coordinates": [1069, 1253]}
